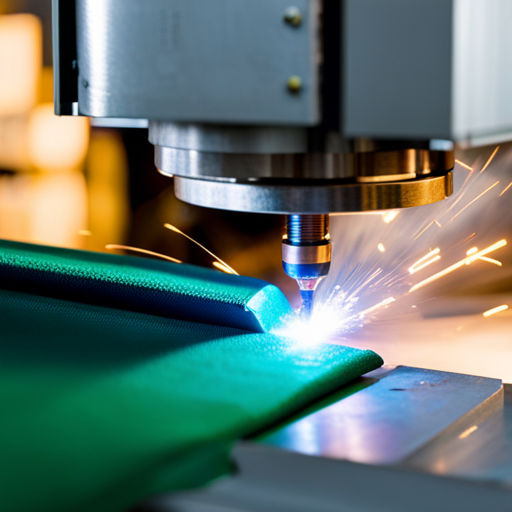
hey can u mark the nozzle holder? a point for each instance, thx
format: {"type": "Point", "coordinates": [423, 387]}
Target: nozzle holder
{"type": "Point", "coordinates": [307, 246]}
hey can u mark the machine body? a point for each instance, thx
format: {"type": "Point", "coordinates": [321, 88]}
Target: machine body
{"type": "Point", "coordinates": [303, 109]}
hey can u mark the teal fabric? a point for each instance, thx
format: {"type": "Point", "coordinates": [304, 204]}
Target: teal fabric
{"type": "Point", "coordinates": [102, 406]}
{"type": "Point", "coordinates": [150, 286]}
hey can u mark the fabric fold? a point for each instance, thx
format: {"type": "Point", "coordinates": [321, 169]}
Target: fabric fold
{"type": "Point", "coordinates": [157, 287]}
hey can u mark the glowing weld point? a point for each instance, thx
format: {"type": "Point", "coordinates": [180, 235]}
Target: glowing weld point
{"type": "Point", "coordinates": [381, 247]}
{"type": "Point", "coordinates": [493, 311]}
{"type": "Point", "coordinates": [223, 263]}
{"type": "Point", "coordinates": [471, 251]}
{"type": "Point", "coordinates": [143, 251]}
{"type": "Point", "coordinates": [390, 217]}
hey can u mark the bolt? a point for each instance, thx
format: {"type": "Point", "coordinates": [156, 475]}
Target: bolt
{"type": "Point", "coordinates": [293, 16]}
{"type": "Point", "coordinates": [294, 84]}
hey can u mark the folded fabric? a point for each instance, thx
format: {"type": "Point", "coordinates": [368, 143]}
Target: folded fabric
{"type": "Point", "coordinates": [102, 407]}
{"type": "Point", "coordinates": [150, 286]}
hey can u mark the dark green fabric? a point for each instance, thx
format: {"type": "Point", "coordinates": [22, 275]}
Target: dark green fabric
{"type": "Point", "coordinates": [149, 286]}
{"type": "Point", "coordinates": [100, 407]}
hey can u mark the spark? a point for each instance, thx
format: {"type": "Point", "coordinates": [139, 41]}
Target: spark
{"type": "Point", "coordinates": [381, 247]}
{"type": "Point", "coordinates": [390, 216]}
{"type": "Point", "coordinates": [143, 251]}
{"type": "Point", "coordinates": [506, 188]}
{"type": "Point", "coordinates": [223, 263]}
{"type": "Point", "coordinates": [468, 432]}
{"type": "Point", "coordinates": [85, 232]}
{"type": "Point", "coordinates": [333, 317]}
{"type": "Point", "coordinates": [476, 198]}
{"type": "Point", "coordinates": [469, 238]}
{"type": "Point", "coordinates": [383, 304]}
{"type": "Point", "coordinates": [462, 164]}
{"type": "Point", "coordinates": [423, 231]}
{"type": "Point", "coordinates": [493, 311]}
{"type": "Point", "coordinates": [471, 251]}
{"type": "Point", "coordinates": [425, 261]}
{"type": "Point", "coordinates": [490, 260]}
{"type": "Point", "coordinates": [490, 160]}
{"type": "Point", "coordinates": [466, 261]}
{"type": "Point", "coordinates": [222, 267]}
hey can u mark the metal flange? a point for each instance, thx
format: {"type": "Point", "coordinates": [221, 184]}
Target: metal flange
{"type": "Point", "coordinates": [312, 196]}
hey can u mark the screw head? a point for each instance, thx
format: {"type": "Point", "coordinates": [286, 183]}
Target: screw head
{"type": "Point", "coordinates": [294, 84]}
{"type": "Point", "coordinates": [293, 16]}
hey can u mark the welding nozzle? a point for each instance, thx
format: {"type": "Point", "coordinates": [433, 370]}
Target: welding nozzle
{"type": "Point", "coordinates": [307, 253]}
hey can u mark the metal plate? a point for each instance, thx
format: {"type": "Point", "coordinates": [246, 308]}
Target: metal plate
{"type": "Point", "coordinates": [399, 412]}
{"type": "Point", "coordinates": [225, 61]}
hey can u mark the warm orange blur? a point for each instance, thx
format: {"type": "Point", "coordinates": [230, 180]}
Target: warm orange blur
{"type": "Point", "coordinates": [20, 63]}
{"type": "Point", "coordinates": [56, 143]}
{"type": "Point", "coordinates": [43, 195]}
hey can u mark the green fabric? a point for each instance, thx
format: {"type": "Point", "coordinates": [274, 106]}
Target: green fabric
{"type": "Point", "coordinates": [101, 406]}
{"type": "Point", "coordinates": [149, 286]}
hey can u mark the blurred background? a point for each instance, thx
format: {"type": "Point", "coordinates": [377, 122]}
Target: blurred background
{"type": "Point", "coordinates": [64, 182]}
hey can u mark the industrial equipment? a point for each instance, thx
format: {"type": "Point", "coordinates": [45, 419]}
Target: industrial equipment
{"type": "Point", "coordinates": [308, 108]}
{"type": "Point", "coordinates": [302, 108]}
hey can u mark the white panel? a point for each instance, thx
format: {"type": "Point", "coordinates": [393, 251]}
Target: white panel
{"type": "Point", "coordinates": [482, 73]}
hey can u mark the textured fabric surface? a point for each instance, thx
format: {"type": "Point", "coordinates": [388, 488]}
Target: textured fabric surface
{"type": "Point", "coordinates": [101, 407]}
{"type": "Point", "coordinates": [156, 287]}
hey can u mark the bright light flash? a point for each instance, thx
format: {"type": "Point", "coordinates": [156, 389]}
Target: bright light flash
{"type": "Point", "coordinates": [381, 247]}
{"type": "Point", "coordinates": [493, 311]}
{"type": "Point", "coordinates": [334, 317]}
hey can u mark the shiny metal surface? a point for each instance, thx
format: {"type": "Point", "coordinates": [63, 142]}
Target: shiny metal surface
{"type": "Point", "coordinates": [197, 164]}
{"type": "Point", "coordinates": [225, 61]}
{"type": "Point", "coordinates": [300, 197]}
{"type": "Point", "coordinates": [306, 255]}
{"type": "Point", "coordinates": [394, 415]}
{"type": "Point", "coordinates": [371, 167]}
{"type": "Point", "coordinates": [228, 139]}
{"type": "Point", "coordinates": [450, 473]}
